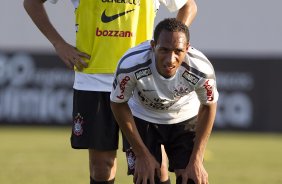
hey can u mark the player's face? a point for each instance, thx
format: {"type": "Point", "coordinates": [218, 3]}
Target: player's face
{"type": "Point", "coordinates": [170, 50]}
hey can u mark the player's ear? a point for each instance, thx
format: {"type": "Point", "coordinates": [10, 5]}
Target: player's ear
{"type": "Point", "coordinates": [153, 44]}
{"type": "Point", "coordinates": [187, 47]}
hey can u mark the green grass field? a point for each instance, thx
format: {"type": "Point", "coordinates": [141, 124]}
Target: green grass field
{"type": "Point", "coordinates": [42, 155]}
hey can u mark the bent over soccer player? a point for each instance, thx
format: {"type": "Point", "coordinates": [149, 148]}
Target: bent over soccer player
{"type": "Point", "coordinates": [174, 95]}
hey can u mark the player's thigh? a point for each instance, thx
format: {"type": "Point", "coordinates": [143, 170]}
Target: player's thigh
{"type": "Point", "coordinates": [180, 145]}
{"type": "Point", "coordinates": [94, 126]}
{"type": "Point", "coordinates": [149, 132]}
{"type": "Point", "coordinates": [150, 138]}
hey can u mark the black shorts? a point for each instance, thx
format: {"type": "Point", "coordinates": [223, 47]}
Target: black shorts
{"type": "Point", "coordinates": [178, 141]}
{"type": "Point", "coordinates": [94, 126]}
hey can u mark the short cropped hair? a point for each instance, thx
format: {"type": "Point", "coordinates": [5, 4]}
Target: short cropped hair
{"type": "Point", "coordinates": [171, 25]}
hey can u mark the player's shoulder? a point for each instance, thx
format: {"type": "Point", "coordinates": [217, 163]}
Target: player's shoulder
{"type": "Point", "coordinates": [139, 55]}
{"type": "Point", "coordinates": [53, 1]}
{"type": "Point", "coordinates": [173, 5]}
{"type": "Point", "coordinates": [197, 60]}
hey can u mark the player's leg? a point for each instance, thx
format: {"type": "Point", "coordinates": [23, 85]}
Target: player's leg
{"type": "Point", "coordinates": [102, 166]}
{"type": "Point", "coordinates": [164, 168]}
{"type": "Point", "coordinates": [150, 139]}
{"type": "Point", "coordinates": [180, 147]}
{"type": "Point", "coordinates": [130, 157]}
{"type": "Point", "coordinates": [95, 129]}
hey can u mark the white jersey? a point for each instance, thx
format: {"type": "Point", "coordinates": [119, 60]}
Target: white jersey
{"type": "Point", "coordinates": [103, 81]}
{"type": "Point", "coordinates": [160, 100]}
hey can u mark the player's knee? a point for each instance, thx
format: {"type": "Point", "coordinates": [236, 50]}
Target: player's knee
{"type": "Point", "coordinates": [103, 168]}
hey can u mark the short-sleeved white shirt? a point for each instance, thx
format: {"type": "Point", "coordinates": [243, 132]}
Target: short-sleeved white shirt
{"type": "Point", "coordinates": [160, 100]}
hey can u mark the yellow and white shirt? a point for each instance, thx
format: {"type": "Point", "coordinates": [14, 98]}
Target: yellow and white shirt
{"type": "Point", "coordinates": [105, 29]}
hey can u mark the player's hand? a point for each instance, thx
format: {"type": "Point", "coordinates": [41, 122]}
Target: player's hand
{"type": "Point", "coordinates": [146, 169]}
{"type": "Point", "coordinates": [71, 56]}
{"type": "Point", "coordinates": [195, 170]}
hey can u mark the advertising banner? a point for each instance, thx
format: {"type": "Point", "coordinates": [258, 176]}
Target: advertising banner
{"type": "Point", "coordinates": [34, 89]}
{"type": "Point", "coordinates": [37, 89]}
{"type": "Point", "coordinates": [249, 93]}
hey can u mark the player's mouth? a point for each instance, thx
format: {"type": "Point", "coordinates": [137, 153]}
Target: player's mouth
{"type": "Point", "coordinates": [169, 70]}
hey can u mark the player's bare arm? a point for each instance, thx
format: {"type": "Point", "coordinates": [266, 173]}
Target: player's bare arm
{"type": "Point", "coordinates": [145, 165]}
{"type": "Point", "coordinates": [195, 169]}
{"type": "Point", "coordinates": [69, 54]}
{"type": "Point", "coordinates": [187, 13]}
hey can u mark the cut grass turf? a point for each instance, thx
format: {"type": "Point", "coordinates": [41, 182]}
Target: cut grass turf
{"type": "Point", "coordinates": [42, 155]}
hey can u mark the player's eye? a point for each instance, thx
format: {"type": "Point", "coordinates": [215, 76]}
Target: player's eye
{"type": "Point", "coordinates": [178, 51]}
{"type": "Point", "coordinates": [163, 50]}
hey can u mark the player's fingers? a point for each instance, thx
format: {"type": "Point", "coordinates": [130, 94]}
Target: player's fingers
{"type": "Point", "coordinates": [83, 63]}
{"type": "Point", "coordinates": [158, 172]}
{"type": "Point", "coordinates": [139, 181]}
{"type": "Point", "coordinates": [152, 179]}
{"type": "Point", "coordinates": [77, 63]}
{"type": "Point", "coordinates": [69, 64]}
{"type": "Point", "coordinates": [205, 181]}
{"type": "Point", "coordinates": [82, 54]}
{"type": "Point", "coordinates": [183, 181]}
{"type": "Point", "coordinates": [79, 58]}
{"type": "Point", "coordinates": [205, 178]}
{"type": "Point", "coordinates": [135, 179]}
{"type": "Point", "coordinates": [144, 181]}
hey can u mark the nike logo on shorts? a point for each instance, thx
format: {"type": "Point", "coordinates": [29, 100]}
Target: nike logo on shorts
{"type": "Point", "coordinates": [107, 19]}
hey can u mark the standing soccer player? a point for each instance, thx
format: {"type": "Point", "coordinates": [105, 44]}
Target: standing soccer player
{"type": "Point", "coordinates": [104, 31]}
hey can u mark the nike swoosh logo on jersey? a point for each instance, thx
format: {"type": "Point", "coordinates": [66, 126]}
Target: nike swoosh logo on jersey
{"type": "Point", "coordinates": [107, 19]}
